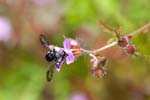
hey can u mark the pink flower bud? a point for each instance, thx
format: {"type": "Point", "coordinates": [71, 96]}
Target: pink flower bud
{"type": "Point", "coordinates": [131, 49]}
{"type": "Point", "coordinates": [124, 41]}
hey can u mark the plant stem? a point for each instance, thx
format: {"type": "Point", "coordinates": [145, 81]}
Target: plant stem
{"type": "Point", "coordinates": [138, 31]}
{"type": "Point", "coordinates": [105, 47]}
{"type": "Point", "coordinates": [100, 49]}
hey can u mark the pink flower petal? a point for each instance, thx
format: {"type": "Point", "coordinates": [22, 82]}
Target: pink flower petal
{"type": "Point", "coordinates": [5, 29]}
{"type": "Point", "coordinates": [58, 65]}
{"type": "Point", "coordinates": [70, 58]}
{"type": "Point", "coordinates": [67, 44]}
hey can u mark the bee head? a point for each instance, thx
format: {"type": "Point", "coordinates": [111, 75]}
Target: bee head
{"type": "Point", "coordinates": [49, 56]}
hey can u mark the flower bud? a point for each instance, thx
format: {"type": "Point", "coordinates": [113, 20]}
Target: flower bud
{"type": "Point", "coordinates": [131, 49]}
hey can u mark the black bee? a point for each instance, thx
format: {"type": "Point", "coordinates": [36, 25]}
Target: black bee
{"type": "Point", "coordinates": [55, 54]}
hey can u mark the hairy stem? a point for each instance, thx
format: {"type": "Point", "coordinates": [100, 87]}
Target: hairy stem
{"type": "Point", "coordinates": [105, 47]}
{"type": "Point", "coordinates": [138, 31]}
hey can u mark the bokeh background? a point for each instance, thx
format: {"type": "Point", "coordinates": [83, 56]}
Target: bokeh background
{"type": "Point", "coordinates": [22, 63]}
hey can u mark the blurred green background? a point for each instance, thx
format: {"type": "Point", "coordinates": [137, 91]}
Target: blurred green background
{"type": "Point", "coordinates": [22, 63]}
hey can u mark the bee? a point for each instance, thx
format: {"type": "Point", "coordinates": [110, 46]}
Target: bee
{"type": "Point", "coordinates": [55, 54]}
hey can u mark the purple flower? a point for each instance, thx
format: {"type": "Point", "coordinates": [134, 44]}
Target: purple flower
{"type": "Point", "coordinates": [66, 53]}
{"type": "Point", "coordinates": [67, 47]}
{"type": "Point", "coordinates": [58, 65]}
{"type": "Point", "coordinates": [71, 47]}
{"type": "Point", "coordinates": [78, 96]}
{"type": "Point", "coordinates": [5, 29]}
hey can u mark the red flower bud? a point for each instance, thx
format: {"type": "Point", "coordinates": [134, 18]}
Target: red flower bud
{"type": "Point", "coordinates": [129, 37]}
{"type": "Point", "coordinates": [124, 41]}
{"type": "Point", "coordinates": [98, 72]}
{"type": "Point", "coordinates": [131, 49]}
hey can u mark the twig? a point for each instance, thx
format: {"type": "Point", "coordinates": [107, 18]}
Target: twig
{"type": "Point", "coordinates": [138, 31]}
{"type": "Point", "coordinates": [105, 47]}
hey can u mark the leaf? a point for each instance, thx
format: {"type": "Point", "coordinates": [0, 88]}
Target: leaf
{"type": "Point", "coordinates": [106, 28]}
{"type": "Point", "coordinates": [110, 29]}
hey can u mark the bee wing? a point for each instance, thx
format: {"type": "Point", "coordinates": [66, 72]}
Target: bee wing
{"type": "Point", "coordinates": [50, 72]}
{"type": "Point", "coordinates": [44, 40]}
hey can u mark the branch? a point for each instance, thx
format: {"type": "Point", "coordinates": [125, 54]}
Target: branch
{"type": "Point", "coordinates": [105, 47]}
{"type": "Point", "coordinates": [138, 31]}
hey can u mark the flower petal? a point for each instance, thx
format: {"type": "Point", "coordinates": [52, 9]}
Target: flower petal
{"type": "Point", "coordinates": [58, 65]}
{"type": "Point", "coordinates": [5, 29]}
{"type": "Point", "coordinates": [67, 44]}
{"type": "Point", "coordinates": [58, 69]}
{"type": "Point", "coordinates": [70, 58]}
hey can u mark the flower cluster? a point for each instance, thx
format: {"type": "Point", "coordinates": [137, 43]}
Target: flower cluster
{"type": "Point", "coordinates": [127, 45]}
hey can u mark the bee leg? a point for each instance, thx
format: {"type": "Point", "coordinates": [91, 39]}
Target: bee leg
{"type": "Point", "coordinates": [44, 40]}
{"type": "Point", "coordinates": [49, 73]}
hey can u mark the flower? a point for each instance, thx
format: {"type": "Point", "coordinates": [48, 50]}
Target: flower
{"type": "Point", "coordinates": [78, 96]}
{"type": "Point", "coordinates": [69, 52]}
{"type": "Point", "coordinates": [131, 49]}
{"type": "Point", "coordinates": [5, 29]}
{"type": "Point", "coordinates": [126, 45]}
{"type": "Point", "coordinates": [67, 47]}
{"type": "Point", "coordinates": [124, 41]}
{"type": "Point", "coordinates": [98, 68]}
{"type": "Point", "coordinates": [99, 71]}
{"type": "Point", "coordinates": [58, 65]}
{"type": "Point", "coordinates": [60, 55]}
{"type": "Point", "coordinates": [72, 48]}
